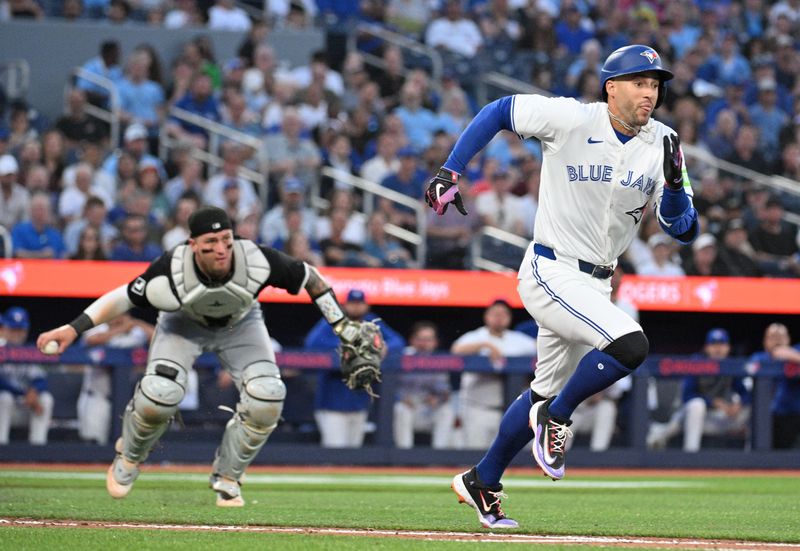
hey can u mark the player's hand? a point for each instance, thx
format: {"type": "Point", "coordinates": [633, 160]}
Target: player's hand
{"type": "Point", "coordinates": [443, 190]}
{"type": "Point", "coordinates": [673, 162]}
{"type": "Point", "coordinates": [64, 336]}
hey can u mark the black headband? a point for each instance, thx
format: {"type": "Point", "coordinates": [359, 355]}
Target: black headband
{"type": "Point", "coordinates": [208, 219]}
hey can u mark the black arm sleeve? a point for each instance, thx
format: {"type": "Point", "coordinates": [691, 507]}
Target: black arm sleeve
{"type": "Point", "coordinates": [159, 267]}
{"type": "Point", "coordinates": [285, 272]}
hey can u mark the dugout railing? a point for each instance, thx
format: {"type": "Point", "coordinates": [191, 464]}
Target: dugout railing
{"type": "Point", "coordinates": [754, 452]}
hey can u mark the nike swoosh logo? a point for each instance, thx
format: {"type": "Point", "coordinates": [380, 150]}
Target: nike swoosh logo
{"type": "Point", "coordinates": [590, 140]}
{"type": "Point", "coordinates": [547, 457]}
{"type": "Point", "coordinates": [439, 188]}
{"type": "Point", "coordinates": [483, 502]}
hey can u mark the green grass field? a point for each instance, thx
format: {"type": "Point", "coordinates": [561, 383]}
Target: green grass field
{"type": "Point", "coordinates": [718, 507]}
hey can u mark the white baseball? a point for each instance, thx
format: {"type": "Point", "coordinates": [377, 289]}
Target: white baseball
{"type": "Point", "coordinates": [50, 348]}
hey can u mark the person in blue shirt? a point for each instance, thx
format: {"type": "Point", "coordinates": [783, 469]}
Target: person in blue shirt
{"type": "Point", "coordinates": [411, 181]}
{"type": "Point", "coordinates": [134, 246]}
{"type": "Point", "coordinates": [37, 237]}
{"type": "Point", "coordinates": [711, 405]}
{"type": "Point", "coordinates": [341, 413]}
{"type": "Point", "coordinates": [23, 387]}
{"type": "Point", "coordinates": [201, 101]}
{"type": "Point", "coordinates": [786, 402]}
{"type": "Point", "coordinates": [105, 65]}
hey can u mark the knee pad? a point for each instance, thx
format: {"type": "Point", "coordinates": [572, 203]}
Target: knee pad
{"type": "Point", "coordinates": [630, 350]}
{"type": "Point", "coordinates": [158, 394]}
{"type": "Point", "coordinates": [262, 396]}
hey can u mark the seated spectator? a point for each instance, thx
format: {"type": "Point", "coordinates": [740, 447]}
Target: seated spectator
{"type": "Point", "coordinates": [37, 237]}
{"type": "Point", "coordinates": [775, 241]}
{"type": "Point", "coordinates": [22, 131]}
{"type": "Point", "coordinates": [248, 201]}
{"type": "Point", "coordinates": [225, 15]}
{"type": "Point", "coordinates": [420, 123]}
{"type": "Point", "coordinates": [149, 181]}
{"type": "Point", "coordinates": [184, 13]}
{"type": "Point", "coordinates": [422, 403]}
{"type": "Point", "coordinates": [722, 135]}
{"type": "Point", "coordinates": [89, 245]}
{"type": "Point", "coordinates": [179, 232]}
{"type": "Point", "coordinates": [318, 70]}
{"type": "Point", "coordinates": [336, 249]}
{"type": "Point", "coordinates": [711, 405]}
{"type": "Point", "coordinates": [292, 195]}
{"type": "Point", "coordinates": [290, 153]}
{"type": "Point", "coordinates": [199, 100]}
{"type": "Point", "coordinates": [24, 397]}
{"type": "Point", "coordinates": [704, 260]}
{"type": "Point", "coordinates": [135, 146]}
{"type": "Point", "coordinates": [141, 99]}
{"type": "Point", "coordinates": [14, 198]}
{"type": "Point", "coordinates": [105, 65]}
{"type": "Point", "coordinates": [382, 250]}
{"type": "Point", "coordinates": [785, 406]}
{"type": "Point", "coordinates": [663, 248]}
{"type": "Point", "coordinates": [411, 181]}
{"type": "Point", "coordinates": [134, 245]}
{"type": "Point", "coordinates": [340, 156]}
{"type": "Point", "coordinates": [355, 230]}
{"type": "Point", "coordinates": [452, 23]}
{"type": "Point", "coordinates": [77, 126]}
{"type": "Point", "coordinates": [94, 216]}
{"type": "Point", "coordinates": [385, 161]}
{"type": "Point", "coordinates": [188, 181]}
{"type": "Point", "coordinates": [500, 208]}
{"type": "Point", "coordinates": [298, 245]}
{"type": "Point", "coordinates": [94, 401]}
{"type": "Point", "coordinates": [93, 155]}
{"type": "Point", "coordinates": [73, 199]}
{"type": "Point", "coordinates": [481, 397]}
{"type": "Point", "coordinates": [736, 252]}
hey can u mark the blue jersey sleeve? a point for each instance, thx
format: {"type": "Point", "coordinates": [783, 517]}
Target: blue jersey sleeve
{"type": "Point", "coordinates": [493, 118]}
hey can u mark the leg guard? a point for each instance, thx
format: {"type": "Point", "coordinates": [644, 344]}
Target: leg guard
{"type": "Point", "coordinates": [257, 414]}
{"type": "Point", "coordinates": [154, 403]}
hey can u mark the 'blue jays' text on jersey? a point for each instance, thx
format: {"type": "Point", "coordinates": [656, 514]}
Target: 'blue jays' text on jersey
{"type": "Point", "coordinates": [594, 189]}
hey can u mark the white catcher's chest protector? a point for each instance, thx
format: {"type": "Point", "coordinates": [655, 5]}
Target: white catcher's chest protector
{"type": "Point", "coordinates": [222, 305]}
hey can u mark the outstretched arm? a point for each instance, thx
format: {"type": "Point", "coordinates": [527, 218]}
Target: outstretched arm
{"type": "Point", "coordinates": [104, 309]}
{"type": "Point", "coordinates": [443, 187]}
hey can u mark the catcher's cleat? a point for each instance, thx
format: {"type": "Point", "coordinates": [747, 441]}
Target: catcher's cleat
{"type": "Point", "coordinates": [228, 491]}
{"type": "Point", "coordinates": [550, 437]}
{"type": "Point", "coordinates": [121, 474]}
{"type": "Point", "coordinates": [484, 499]}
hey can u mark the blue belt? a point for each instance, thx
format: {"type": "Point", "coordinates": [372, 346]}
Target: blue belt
{"type": "Point", "coordinates": [600, 272]}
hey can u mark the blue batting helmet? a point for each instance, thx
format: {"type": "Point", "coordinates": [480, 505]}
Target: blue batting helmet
{"type": "Point", "coordinates": [630, 60]}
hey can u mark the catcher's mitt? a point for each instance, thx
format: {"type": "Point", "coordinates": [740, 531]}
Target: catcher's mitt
{"type": "Point", "coordinates": [360, 354]}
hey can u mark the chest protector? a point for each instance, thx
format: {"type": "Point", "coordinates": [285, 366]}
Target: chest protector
{"type": "Point", "coordinates": [224, 304]}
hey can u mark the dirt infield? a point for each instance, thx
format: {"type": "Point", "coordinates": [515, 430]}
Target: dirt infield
{"type": "Point", "coordinates": [591, 541]}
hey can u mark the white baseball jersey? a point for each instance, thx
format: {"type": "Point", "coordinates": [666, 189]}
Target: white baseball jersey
{"type": "Point", "coordinates": [594, 189]}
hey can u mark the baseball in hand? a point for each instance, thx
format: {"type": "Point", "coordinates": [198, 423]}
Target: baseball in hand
{"type": "Point", "coordinates": [51, 348]}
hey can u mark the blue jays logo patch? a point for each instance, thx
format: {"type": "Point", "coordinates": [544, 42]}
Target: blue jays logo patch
{"type": "Point", "coordinates": [651, 55]}
{"type": "Point", "coordinates": [637, 213]}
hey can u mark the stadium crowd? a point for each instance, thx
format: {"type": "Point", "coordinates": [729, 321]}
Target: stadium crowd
{"type": "Point", "coordinates": [66, 191]}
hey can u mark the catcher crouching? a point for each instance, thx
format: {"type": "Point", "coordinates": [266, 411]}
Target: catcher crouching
{"type": "Point", "coordinates": [206, 292]}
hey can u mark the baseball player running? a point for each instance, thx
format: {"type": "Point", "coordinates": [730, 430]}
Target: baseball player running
{"type": "Point", "coordinates": [604, 164]}
{"type": "Point", "coordinates": [206, 291]}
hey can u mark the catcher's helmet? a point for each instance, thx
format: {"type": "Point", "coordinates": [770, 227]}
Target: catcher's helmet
{"type": "Point", "coordinates": [630, 60]}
